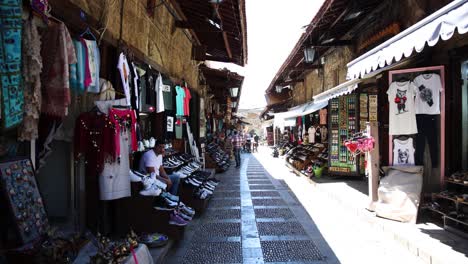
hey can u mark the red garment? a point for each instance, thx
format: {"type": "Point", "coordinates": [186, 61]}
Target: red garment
{"type": "Point", "coordinates": [187, 101]}
{"type": "Point", "coordinates": [123, 120]}
{"type": "Point", "coordinates": [94, 135]}
{"type": "Point", "coordinates": [87, 80]}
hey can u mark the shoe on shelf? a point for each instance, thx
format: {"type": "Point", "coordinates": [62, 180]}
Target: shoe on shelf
{"type": "Point", "coordinates": [170, 196]}
{"type": "Point", "coordinates": [141, 146]}
{"type": "Point", "coordinates": [136, 176]}
{"type": "Point", "coordinates": [186, 217]}
{"type": "Point", "coordinates": [152, 142]}
{"type": "Point", "coordinates": [186, 210]}
{"type": "Point", "coordinates": [153, 240]}
{"type": "Point", "coordinates": [146, 143]}
{"type": "Point", "coordinates": [162, 204]}
{"type": "Point", "coordinates": [175, 219]}
{"type": "Point", "coordinates": [152, 191]}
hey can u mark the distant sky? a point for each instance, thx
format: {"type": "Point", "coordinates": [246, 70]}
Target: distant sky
{"type": "Point", "coordinates": [273, 28]}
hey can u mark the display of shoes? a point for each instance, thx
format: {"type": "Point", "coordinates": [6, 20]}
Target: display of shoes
{"type": "Point", "coordinates": [176, 219]}
{"type": "Point", "coordinates": [163, 204]}
{"type": "Point", "coordinates": [170, 196]}
{"type": "Point", "coordinates": [152, 191]}
{"type": "Point", "coordinates": [136, 176]}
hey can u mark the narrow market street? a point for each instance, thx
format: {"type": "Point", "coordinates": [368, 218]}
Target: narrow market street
{"type": "Point", "coordinates": [254, 217]}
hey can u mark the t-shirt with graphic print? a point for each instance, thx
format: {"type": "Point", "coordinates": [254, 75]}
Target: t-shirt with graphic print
{"type": "Point", "coordinates": [403, 152]}
{"type": "Point", "coordinates": [429, 87]}
{"type": "Point", "coordinates": [402, 116]}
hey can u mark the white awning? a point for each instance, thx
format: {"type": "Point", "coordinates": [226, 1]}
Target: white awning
{"type": "Point", "coordinates": [344, 88]}
{"type": "Point", "coordinates": [441, 24]}
{"type": "Point", "coordinates": [314, 106]}
{"type": "Point", "coordinates": [292, 112]}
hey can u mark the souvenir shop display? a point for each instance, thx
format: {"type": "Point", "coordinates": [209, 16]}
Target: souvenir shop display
{"type": "Point", "coordinates": [21, 193]}
{"type": "Point", "coordinates": [348, 115]}
{"type": "Point", "coordinates": [308, 159]}
{"type": "Point", "coordinates": [217, 158]}
{"type": "Point", "coordinates": [450, 206]}
{"type": "Point", "coordinates": [415, 106]}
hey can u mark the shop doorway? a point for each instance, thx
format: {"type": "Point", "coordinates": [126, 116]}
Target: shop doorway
{"type": "Point", "coordinates": [464, 98]}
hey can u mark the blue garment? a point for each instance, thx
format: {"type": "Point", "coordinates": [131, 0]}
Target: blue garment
{"type": "Point", "coordinates": [180, 100]}
{"type": "Point", "coordinates": [10, 62]}
{"type": "Point", "coordinates": [95, 57]}
{"type": "Point", "coordinates": [77, 71]}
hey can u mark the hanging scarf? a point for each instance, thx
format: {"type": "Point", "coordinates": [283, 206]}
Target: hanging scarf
{"type": "Point", "coordinates": [10, 59]}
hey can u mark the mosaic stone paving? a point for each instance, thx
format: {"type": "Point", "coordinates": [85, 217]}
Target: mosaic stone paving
{"type": "Point", "coordinates": [222, 214]}
{"type": "Point", "coordinates": [226, 194]}
{"type": "Point", "coordinates": [290, 251]}
{"type": "Point", "coordinates": [265, 194]}
{"type": "Point", "coordinates": [280, 229]}
{"type": "Point", "coordinates": [262, 187]}
{"type": "Point", "coordinates": [264, 230]}
{"type": "Point", "coordinates": [284, 213]}
{"type": "Point", "coordinates": [211, 230]}
{"type": "Point", "coordinates": [268, 202]}
{"type": "Point", "coordinates": [218, 252]}
{"type": "Point", "coordinates": [216, 203]}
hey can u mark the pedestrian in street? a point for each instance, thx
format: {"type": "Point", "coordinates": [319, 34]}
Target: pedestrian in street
{"type": "Point", "coordinates": [237, 143]}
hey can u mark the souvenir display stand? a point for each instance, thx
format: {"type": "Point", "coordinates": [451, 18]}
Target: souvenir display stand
{"type": "Point", "coordinates": [308, 160]}
{"type": "Point", "coordinates": [348, 115]}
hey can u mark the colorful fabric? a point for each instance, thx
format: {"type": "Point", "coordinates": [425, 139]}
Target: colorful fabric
{"type": "Point", "coordinates": [77, 71]}
{"type": "Point", "coordinates": [123, 121]}
{"type": "Point", "coordinates": [58, 52]}
{"type": "Point", "coordinates": [10, 62]}
{"type": "Point", "coordinates": [187, 98]}
{"type": "Point", "coordinates": [180, 100]}
{"type": "Point", "coordinates": [94, 64]}
{"type": "Point", "coordinates": [32, 67]}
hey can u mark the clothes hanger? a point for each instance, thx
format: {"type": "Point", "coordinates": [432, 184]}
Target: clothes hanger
{"type": "Point", "coordinates": [89, 33]}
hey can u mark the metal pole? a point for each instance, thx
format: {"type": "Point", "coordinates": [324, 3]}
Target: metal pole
{"type": "Point", "coordinates": [373, 164]}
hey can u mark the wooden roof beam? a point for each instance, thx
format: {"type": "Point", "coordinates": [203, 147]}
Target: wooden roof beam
{"type": "Point", "coordinates": [225, 35]}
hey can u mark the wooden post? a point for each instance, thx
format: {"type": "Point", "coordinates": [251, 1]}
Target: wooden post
{"type": "Point", "coordinates": [373, 164]}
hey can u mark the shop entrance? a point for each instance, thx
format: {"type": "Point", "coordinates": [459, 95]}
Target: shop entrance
{"type": "Point", "coordinates": [464, 74]}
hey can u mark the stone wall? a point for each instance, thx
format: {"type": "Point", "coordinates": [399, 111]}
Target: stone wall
{"type": "Point", "coordinates": [155, 37]}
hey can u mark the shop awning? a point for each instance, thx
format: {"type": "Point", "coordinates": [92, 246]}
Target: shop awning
{"type": "Point", "coordinates": [441, 24]}
{"type": "Point", "coordinates": [293, 112]}
{"type": "Point", "coordinates": [314, 106]}
{"type": "Point", "coordinates": [344, 88]}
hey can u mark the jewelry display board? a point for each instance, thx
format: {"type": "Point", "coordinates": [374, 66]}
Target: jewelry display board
{"type": "Point", "coordinates": [19, 187]}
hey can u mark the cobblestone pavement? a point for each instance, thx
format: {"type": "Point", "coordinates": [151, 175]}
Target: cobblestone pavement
{"type": "Point", "coordinates": [255, 218]}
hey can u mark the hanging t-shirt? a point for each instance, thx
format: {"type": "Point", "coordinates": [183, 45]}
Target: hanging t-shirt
{"type": "Point", "coordinates": [180, 100]}
{"type": "Point", "coordinates": [124, 70]}
{"type": "Point", "coordinates": [168, 95]}
{"type": "Point", "coordinates": [402, 116]}
{"type": "Point", "coordinates": [136, 89]}
{"type": "Point", "coordinates": [311, 132]}
{"type": "Point", "coordinates": [159, 94]}
{"type": "Point", "coordinates": [187, 98]}
{"type": "Point", "coordinates": [318, 135]}
{"type": "Point", "coordinates": [324, 132]}
{"type": "Point", "coordinates": [428, 91]}
{"type": "Point", "coordinates": [403, 152]}
{"type": "Point", "coordinates": [323, 116]}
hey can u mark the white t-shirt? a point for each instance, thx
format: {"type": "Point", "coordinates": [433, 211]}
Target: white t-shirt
{"type": "Point", "coordinates": [402, 116]}
{"type": "Point", "coordinates": [403, 152]}
{"type": "Point", "coordinates": [149, 159]}
{"type": "Point", "coordinates": [124, 70]}
{"type": "Point", "coordinates": [311, 132]}
{"type": "Point", "coordinates": [159, 94]}
{"type": "Point", "coordinates": [428, 88]}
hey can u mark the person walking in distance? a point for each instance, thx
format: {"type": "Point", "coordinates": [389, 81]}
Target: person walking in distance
{"type": "Point", "coordinates": [237, 143]}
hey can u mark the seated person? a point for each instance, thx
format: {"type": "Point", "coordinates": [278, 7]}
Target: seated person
{"type": "Point", "coordinates": [152, 161]}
